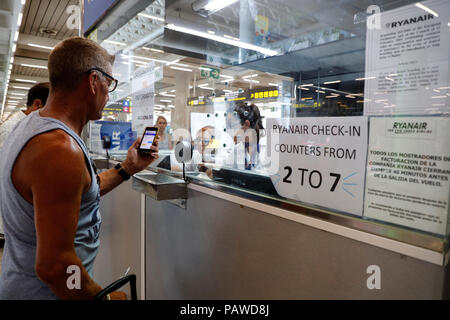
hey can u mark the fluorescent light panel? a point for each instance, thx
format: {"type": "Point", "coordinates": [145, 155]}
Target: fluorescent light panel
{"type": "Point", "coordinates": [182, 69]}
{"type": "Point", "coordinates": [216, 5]}
{"type": "Point", "coordinates": [39, 46]}
{"type": "Point", "coordinates": [33, 66]}
{"type": "Point", "coordinates": [421, 6]}
{"type": "Point", "coordinates": [232, 42]}
{"type": "Point", "coordinates": [330, 82]}
{"type": "Point", "coordinates": [150, 16]}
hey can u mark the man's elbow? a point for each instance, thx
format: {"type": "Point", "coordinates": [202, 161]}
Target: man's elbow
{"type": "Point", "coordinates": [50, 274]}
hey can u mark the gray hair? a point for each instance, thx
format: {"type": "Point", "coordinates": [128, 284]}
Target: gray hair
{"type": "Point", "coordinates": [72, 58]}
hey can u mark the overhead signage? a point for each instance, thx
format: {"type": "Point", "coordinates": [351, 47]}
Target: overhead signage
{"type": "Point", "coordinates": [253, 94]}
{"type": "Point", "coordinates": [93, 10]}
{"type": "Point", "coordinates": [264, 93]}
{"type": "Point", "coordinates": [407, 61]}
{"type": "Point", "coordinates": [209, 72]}
{"type": "Point", "coordinates": [320, 160]}
{"type": "Point", "coordinates": [408, 172]}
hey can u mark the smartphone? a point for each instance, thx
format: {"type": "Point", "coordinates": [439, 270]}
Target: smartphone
{"type": "Point", "coordinates": [148, 139]}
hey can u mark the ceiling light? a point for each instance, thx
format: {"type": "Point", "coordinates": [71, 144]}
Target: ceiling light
{"type": "Point", "coordinates": [32, 66]}
{"type": "Point", "coordinates": [438, 97]}
{"type": "Point", "coordinates": [150, 16]}
{"type": "Point", "coordinates": [350, 96]}
{"type": "Point", "coordinates": [115, 42]}
{"type": "Point", "coordinates": [273, 84]}
{"type": "Point", "coordinates": [182, 69]}
{"type": "Point", "coordinates": [22, 88]}
{"type": "Point", "coordinates": [152, 49]}
{"type": "Point", "coordinates": [39, 46]}
{"type": "Point", "coordinates": [254, 81]}
{"type": "Point", "coordinates": [167, 95]}
{"type": "Point", "coordinates": [211, 32]}
{"type": "Point", "coordinates": [227, 80]}
{"type": "Point", "coordinates": [320, 91]}
{"type": "Point", "coordinates": [307, 85]}
{"type": "Point", "coordinates": [17, 94]}
{"type": "Point", "coordinates": [367, 78]}
{"type": "Point", "coordinates": [421, 6]}
{"type": "Point", "coordinates": [232, 42]}
{"type": "Point", "coordinates": [216, 5]}
{"type": "Point", "coordinates": [16, 36]}
{"type": "Point", "coordinates": [306, 89]}
{"type": "Point", "coordinates": [230, 37]}
{"type": "Point", "coordinates": [250, 76]}
{"type": "Point", "coordinates": [14, 48]}
{"type": "Point", "coordinates": [330, 82]}
{"type": "Point", "coordinates": [174, 61]}
{"type": "Point", "coordinates": [19, 19]}
{"type": "Point", "coordinates": [170, 101]}
{"type": "Point", "coordinates": [331, 96]}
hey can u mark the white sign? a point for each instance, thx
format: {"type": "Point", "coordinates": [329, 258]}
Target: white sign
{"type": "Point", "coordinates": [408, 172]}
{"type": "Point", "coordinates": [407, 60]}
{"type": "Point", "coordinates": [143, 100]}
{"type": "Point", "coordinates": [320, 160]}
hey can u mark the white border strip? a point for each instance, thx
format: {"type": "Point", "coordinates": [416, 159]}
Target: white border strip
{"type": "Point", "coordinates": [371, 239]}
{"type": "Point", "coordinates": [142, 246]}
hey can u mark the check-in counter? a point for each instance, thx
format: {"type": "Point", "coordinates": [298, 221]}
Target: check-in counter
{"type": "Point", "coordinates": [214, 242]}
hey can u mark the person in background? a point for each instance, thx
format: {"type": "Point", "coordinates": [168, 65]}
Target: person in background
{"type": "Point", "coordinates": [49, 190]}
{"type": "Point", "coordinates": [247, 150]}
{"type": "Point", "coordinates": [164, 137]}
{"type": "Point", "coordinates": [37, 98]}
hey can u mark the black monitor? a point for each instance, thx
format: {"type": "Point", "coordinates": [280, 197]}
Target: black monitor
{"type": "Point", "coordinates": [248, 180]}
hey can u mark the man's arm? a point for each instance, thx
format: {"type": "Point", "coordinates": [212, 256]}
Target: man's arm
{"type": "Point", "coordinates": [134, 163]}
{"type": "Point", "coordinates": [51, 173]}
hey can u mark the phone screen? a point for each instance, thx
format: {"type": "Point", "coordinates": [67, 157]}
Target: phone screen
{"type": "Point", "coordinates": [147, 139]}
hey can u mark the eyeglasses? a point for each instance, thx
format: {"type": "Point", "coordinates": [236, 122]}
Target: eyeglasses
{"type": "Point", "coordinates": [112, 85]}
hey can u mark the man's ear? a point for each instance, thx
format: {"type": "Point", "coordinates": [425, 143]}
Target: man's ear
{"type": "Point", "coordinates": [92, 82]}
{"type": "Point", "coordinates": [37, 104]}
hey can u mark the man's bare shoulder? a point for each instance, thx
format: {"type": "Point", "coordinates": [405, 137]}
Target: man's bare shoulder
{"type": "Point", "coordinates": [50, 155]}
{"type": "Point", "coordinates": [53, 145]}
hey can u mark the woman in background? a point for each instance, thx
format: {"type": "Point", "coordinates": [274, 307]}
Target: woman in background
{"type": "Point", "coordinates": [164, 137]}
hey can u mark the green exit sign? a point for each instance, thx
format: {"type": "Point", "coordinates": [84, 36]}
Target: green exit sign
{"type": "Point", "coordinates": [209, 72]}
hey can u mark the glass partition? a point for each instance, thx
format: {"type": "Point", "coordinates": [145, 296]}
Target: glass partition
{"type": "Point", "coordinates": [338, 105]}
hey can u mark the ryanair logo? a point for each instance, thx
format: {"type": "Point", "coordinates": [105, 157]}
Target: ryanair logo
{"type": "Point", "coordinates": [413, 20]}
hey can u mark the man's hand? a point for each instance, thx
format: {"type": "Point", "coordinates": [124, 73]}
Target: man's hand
{"type": "Point", "coordinates": [118, 295]}
{"type": "Point", "coordinates": [136, 161]}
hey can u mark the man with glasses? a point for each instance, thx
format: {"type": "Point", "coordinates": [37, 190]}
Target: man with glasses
{"type": "Point", "coordinates": [49, 192]}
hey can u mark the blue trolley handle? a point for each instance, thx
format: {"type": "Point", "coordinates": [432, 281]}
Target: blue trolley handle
{"type": "Point", "coordinates": [117, 285]}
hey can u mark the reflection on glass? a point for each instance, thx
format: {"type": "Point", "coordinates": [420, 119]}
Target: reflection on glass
{"type": "Point", "coordinates": [221, 74]}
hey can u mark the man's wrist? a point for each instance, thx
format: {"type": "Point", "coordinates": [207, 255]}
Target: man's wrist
{"type": "Point", "coordinates": [122, 171]}
{"type": "Point", "coordinates": [128, 168]}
